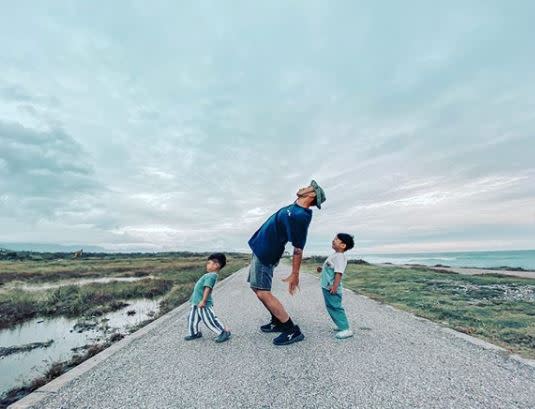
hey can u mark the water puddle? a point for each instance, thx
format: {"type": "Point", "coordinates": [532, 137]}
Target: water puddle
{"type": "Point", "coordinates": [18, 368]}
{"type": "Point", "coordinates": [62, 283]}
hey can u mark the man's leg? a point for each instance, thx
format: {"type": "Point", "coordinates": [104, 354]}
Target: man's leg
{"type": "Point", "coordinates": [260, 278]}
{"type": "Point", "coordinates": [290, 332]}
{"type": "Point", "coordinates": [272, 304]}
{"type": "Point", "coordinates": [274, 319]}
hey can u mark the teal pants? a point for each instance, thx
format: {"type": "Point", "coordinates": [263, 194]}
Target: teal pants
{"type": "Point", "coordinates": [333, 302]}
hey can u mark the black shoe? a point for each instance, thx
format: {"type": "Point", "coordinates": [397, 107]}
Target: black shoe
{"type": "Point", "coordinates": [224, 336]}
{"type": "Point", "coordinates": [194, 336]}
{"type": "Point", "coordinates": [271, 327]}
{"type": "Point", "coordinates": [289, 337]}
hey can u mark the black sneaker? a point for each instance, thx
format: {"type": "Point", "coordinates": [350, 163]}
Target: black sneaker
{"type": "Point", "coordinates": [194, 336]}
{"type": "Point", "coordinates": [224, 336]}
{"type": "Point", "coordinates": [289, 337]}
{"type": "Point", "coordinates": [271, 327]}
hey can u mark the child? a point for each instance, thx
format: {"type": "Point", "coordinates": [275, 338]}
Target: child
{"type": "Point", "coordinates": [202, 303]}
{"type": "Point", "coordinates": [331, 283]}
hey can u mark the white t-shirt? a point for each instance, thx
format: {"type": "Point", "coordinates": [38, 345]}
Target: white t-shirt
{"type": "Point", "coordinates": [335, 263]}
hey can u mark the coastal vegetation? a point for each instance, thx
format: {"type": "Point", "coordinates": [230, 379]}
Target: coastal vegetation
{"type": "Point", "coordinates": [169, 275]}
{"type": "Point", "coordinates": [499, 309]}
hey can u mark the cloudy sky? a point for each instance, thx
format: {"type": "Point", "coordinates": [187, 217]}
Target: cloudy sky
{"type": "Point", "coordinates": [137, 125]}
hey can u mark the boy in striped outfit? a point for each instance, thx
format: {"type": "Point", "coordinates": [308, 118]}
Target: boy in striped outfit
{"type": "Point", "coordinates": [202, 303]}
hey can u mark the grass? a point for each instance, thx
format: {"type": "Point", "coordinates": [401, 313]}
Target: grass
{"type": "Point", "coordinates": [173, 278]}
{"type": "Point", "coordinates": [499, 309]}
{"type": "Point", "coordinates": [48, 270]}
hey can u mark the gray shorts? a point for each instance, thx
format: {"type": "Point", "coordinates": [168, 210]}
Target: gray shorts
{"type": "Point", "coordinates": [260, 275]}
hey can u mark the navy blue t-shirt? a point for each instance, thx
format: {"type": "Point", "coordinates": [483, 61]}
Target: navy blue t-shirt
{"type": "Point", "coordinates": [289, 224]}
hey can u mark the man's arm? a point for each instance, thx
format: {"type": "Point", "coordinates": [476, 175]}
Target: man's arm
{"type": "Point", "coordinates": [293, 278]}
{"type": "Point", "coordinates": [298, 235]}
{"type": "Point", "coordinates": [336, 283]}
{"type": "Point", "coordinates": [205, 294]}
{"type": "Point", "coordinates": [296, 260]}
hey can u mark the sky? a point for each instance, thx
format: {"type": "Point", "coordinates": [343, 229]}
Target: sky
{"type": "Point", "coordinates": [153, 126]}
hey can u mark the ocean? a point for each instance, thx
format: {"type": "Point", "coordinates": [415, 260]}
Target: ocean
{"type": "Point", "coordinates": [483, 259]}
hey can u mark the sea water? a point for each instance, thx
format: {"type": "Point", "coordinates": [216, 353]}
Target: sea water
{"type": "Point", "coordinates": [483, 259]}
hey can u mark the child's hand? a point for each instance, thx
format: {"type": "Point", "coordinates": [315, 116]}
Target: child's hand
{"type": "Point", "coordinates": [319, 269]}
{"type": "Point", "coordinates": [333, 290]}
{"type": "Point", "coordinates": [202, 304]}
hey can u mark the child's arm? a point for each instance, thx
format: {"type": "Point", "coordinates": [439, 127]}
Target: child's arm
{"type": "Point", "coordinates": [336, 283]}
{"type": "Point", "coordinates": [205, 294]}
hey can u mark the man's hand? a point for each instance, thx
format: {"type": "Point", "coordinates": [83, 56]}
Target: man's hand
{"type": "Point", "coordinates": [293, 278]}
{"type": "Point", "coordinates": [202, 304]}
{"type": "Point", "coordinates": [319, 269]}
{"type": "Point", "coordinates": [333, 290]}
{"type": "Point", "coordinates": [293, 282]}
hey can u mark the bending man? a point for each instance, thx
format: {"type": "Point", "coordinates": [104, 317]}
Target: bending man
{"type": "Point", "coordinates": [289, 224]}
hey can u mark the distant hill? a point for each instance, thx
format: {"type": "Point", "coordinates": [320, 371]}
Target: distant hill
{"type": "Point", "coordinates": [50, 248]}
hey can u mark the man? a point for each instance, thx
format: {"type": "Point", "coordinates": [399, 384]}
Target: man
{"type": "Point", "coordinates": [289, 224]}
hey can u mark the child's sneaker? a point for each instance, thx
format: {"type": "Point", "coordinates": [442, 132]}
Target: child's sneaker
{"type": "Point", "coordinates": [194, 336]}
{"type": "Point", "coordinates": [335, 329]}
{"type": "Point", "coordinates": [271, 328]}
{"type": "Point", "coordinates": [344, 334]}
{"type": "Point", "coordinates": [289, 337]}
{"type": "Point", "coordinates": [224, 336]}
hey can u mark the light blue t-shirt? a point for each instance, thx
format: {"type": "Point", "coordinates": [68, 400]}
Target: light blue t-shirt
{"type": "Point", "coordinates": [207, 280]}
{"type": "Point", "coordinates": [335, 263]}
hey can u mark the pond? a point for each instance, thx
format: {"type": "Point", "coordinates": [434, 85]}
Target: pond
{"type": "Point", "coordinates": [20, 367]}
{"type": "Point", "coordinates": [47, 286]}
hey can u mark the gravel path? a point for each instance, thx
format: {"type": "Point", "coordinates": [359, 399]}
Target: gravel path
{"type": "Point", "coordinates": [394, 361]}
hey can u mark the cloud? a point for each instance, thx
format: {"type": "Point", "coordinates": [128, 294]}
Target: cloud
{"type": "Point", "coordinates": [185, 127]}
{"type": "Point", "coordinates": [17, 93]}
{"type": "Point", "coordinates": [41, 172]}
{"type": "Point", "coordinates": [42, 163]}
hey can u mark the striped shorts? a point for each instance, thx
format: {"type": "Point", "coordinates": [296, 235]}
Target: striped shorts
{"type": "Point", "coordinates": [206, 315]}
